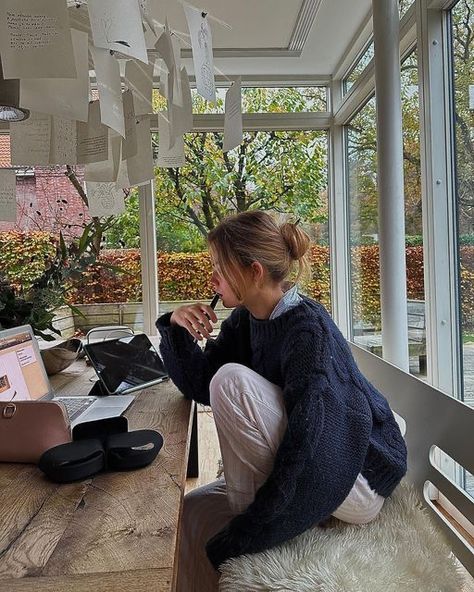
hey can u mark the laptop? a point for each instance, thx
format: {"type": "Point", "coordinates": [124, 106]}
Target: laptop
{"type": "Point", "coordinates": [23, 377]}
{"type": "Point", "coordinates": [126, 364]}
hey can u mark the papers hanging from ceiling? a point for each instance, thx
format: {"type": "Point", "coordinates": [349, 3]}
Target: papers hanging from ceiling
{"type": "Point", "coordinates": [117, 25]}
{"type": "Point", "coordinates": [139, 79]}
{"type": "Point", "coordinates": [104, 199]}
{"type": "Point", "coordinates": [7, 195]}
{"type": "Point", "coordinates": [169, 155]}
{"type": "Point", "coordinates": [107, 73]}
{"type": "Point", "coordinates": [64, 97]}
{"type": "Point", "coordinates": [106, 171]}
{"type": "Point", "coordinates": [63, 141]}
{"type": "Point", "coordinates": [129, 143]}
{"type": "Point", "coordinates": [30, 140]}
{"type": "Point", "coordinates": [92, 137]}
{"type": "Point", "coordinates": [201, 40]}
{"type": "Point", "coordinates": [140, 167]}
{"type": "Point", "coordinates": [233, 129]}
{"type": "Point", "coordinates": [35, 39]}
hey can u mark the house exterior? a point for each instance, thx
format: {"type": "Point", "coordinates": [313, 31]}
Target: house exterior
{"type": "Point", "coordinates": [46, 198]}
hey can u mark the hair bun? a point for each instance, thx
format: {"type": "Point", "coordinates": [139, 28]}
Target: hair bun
{"type": "Point", "coordinates": [296, 239]}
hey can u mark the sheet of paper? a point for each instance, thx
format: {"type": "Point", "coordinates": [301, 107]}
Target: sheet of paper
{"type": "Point", "coordinates": [68, 98]}
{"type": "Point", "coordinates": [107, 73]}
{"type": "Point", "coordinates": [186, 111]}
{"type": "Point", "coordinates": [201, 41]}
{"type": "Point", "coordinates": [107, 170]}
{"type": "Point", "coordinates": [139, 79]}
{"type": "Point", "coordinates": [177, 90]}
{"type": "Point", "coordinates": [7, 195]}
{"type": "Point", "coordinates": [92, 137]}
{"type": "Point", "coordinates": [123, 181]}
{"type": "Point", "coordinates": [63, 148]}
{"type": "Point", "coordinates": [129, 143]}
{"type": "Point", "coordinates": [117, 25]}
{"type": "Point", "coordinates": [30, 140]}
{"type": "Point", "coordinates": [140, 167]}
{"type": "Point", "coordinates": [233, 130]}
{"type": "Point", "coordinates": [104, 199]}
{"type": "Point", "coordinates": [169, 157]}
{"type": "Point", "coordinates": [35, 39]}
{"type": "Point", "coordinates": [164, 47]}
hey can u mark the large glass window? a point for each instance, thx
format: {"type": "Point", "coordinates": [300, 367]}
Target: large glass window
{"type": "Point", "coordinates": [363, 217]}
{"type": "Point", "coordinates": [284, 172]}
{"type": "Point", "coordinates": [462, 51]}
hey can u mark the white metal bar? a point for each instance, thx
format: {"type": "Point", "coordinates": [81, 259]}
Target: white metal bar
{"type": "Point", "coordinates": [148, 257]}
{"type": "Point", "coordinates": [390, 183]}
{"type": "Point", "coordinates": [260, 121]}
{"type": "Point", "coordinates": [438, 205]}
{"type": "Point", "coordinates": [339, 229]}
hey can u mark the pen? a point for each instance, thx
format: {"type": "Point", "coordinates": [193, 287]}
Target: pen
{"type": "Point", "coordinates": [212, 304]}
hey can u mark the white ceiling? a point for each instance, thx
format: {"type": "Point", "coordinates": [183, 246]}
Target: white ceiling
{"type": "Point", "coordinates": [268, 25]}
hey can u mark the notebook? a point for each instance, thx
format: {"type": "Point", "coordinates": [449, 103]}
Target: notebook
{"type": "Point", "coordinates": [126, 364]}
{"type": "Point", "coordinates": [23, 377]}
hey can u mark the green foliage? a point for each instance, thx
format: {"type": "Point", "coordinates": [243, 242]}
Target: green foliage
{"type": "Point", "coordinates": [32, 297]}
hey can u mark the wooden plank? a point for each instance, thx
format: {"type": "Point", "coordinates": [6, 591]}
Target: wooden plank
{"type": "Point", "coordinates": [30, 551]}
{"type": "Point", "coordinates": [151, 580]}
{"type": "Point", "coordinates": [117, 531]}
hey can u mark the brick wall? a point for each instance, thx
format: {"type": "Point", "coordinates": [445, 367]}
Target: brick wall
{"type": "Point", "coordinates": [46, 200]}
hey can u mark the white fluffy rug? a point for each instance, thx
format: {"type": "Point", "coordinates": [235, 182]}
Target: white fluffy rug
{"type": "Point", "coordinates": [401, 551]}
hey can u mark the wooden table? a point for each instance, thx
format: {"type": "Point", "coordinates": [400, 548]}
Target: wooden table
{"type": "Point", "coordinates": [116, 532]}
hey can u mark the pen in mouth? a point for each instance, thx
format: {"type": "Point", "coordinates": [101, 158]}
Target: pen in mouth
{"type": "Point", "coordinates": [214, 301]}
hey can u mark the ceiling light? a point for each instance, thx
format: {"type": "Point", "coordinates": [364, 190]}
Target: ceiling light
{"type": "Point", "coordinates": [10, 109]}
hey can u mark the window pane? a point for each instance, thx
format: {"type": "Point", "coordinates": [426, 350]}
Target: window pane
{"type": "Point", "coordinates": [359, 67]}
{"type": "Point", "coordinates": [284, 172]}
{"type": "Point", "coordinates": [363, 230]}
{"type": "Point", "coordinates": [462, 24]}
{"type": "Point", "coordinates": [363, 216]}
{"type": "Point", "coordinates": [33, 262]}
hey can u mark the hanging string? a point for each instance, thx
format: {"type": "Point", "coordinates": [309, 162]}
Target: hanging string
{"type": "Point", "coordinates": [205, 13]}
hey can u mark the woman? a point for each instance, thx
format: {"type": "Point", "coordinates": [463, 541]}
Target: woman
{"type": "Point", "coordinates": [303, 434]}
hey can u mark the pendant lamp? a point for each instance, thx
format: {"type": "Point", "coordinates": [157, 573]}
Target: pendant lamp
{"type": "Point", "coordinates": [10, 110]}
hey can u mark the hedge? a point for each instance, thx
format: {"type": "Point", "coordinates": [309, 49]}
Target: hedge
{"type": "Point", "coordinates": [186, 276]}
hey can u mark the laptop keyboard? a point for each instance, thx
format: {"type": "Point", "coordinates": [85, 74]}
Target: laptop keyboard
{"type": "Point", "coordinates": [75, 405]}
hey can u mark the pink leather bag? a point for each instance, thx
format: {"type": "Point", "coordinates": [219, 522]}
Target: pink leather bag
{"type": "Point", "coordinates": [29, 428]}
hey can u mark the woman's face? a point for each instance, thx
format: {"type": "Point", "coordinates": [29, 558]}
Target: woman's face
{"type": "Point", "coordinates": [221, 286]}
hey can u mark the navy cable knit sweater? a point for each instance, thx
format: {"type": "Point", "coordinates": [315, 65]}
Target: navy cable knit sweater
{"type": "Point", "coordinates": [339, 425]}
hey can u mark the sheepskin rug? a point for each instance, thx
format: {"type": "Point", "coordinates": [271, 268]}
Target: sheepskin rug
{"type": "Point", "coordinates": [401, 551]}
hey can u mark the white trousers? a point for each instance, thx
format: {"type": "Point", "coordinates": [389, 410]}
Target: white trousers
{"type": "Point", "coordinates": [251, 420]}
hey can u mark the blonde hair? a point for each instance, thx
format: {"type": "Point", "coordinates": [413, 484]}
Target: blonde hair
{"type": "Point", "coordinates": [241, 239]}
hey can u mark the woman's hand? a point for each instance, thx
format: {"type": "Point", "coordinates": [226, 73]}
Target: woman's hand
{"type": "Point", "coordinates": [195, 318]}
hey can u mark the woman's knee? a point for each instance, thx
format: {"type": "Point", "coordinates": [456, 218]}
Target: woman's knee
{"type": "Point", "coordinates": [224, 382]}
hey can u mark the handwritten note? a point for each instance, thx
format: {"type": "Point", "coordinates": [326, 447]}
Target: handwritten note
{"type": "Point", "coordinates": [106, 171]}
{"type": "Point", "coordinates": [117, 25]}
{"type": "Point", "coordinates": [63, 141]}
{"type": "Point", "coordinates": [201, 41]}
{"type": "Point", "coordinates": [35, 39]}
{"type": "Point", "coordinates": [169, 156]}
{"type": "Point", "coordinates": [7, 195]}
{"type": "Point", "coordinates": [64, 97]}
{"type": "Point", "coordinates": [104, 199]}
{"type": "Point", "coordinates": [30, 140]}
{"type": "Point", "coordinates": [92, 137]}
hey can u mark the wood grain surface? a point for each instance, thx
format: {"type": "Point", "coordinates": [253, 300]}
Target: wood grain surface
{"type": "Point", "coordinates": [113, 532]}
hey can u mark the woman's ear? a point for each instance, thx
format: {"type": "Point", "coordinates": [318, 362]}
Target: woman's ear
{"type": "Point", "coordinates": [258, 273]}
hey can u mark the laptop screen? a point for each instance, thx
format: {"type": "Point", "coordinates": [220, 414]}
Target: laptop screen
{"type": "Point", "coordinates": [21, 372]}
{"type": "Point", "coordinates": [125, 363]}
